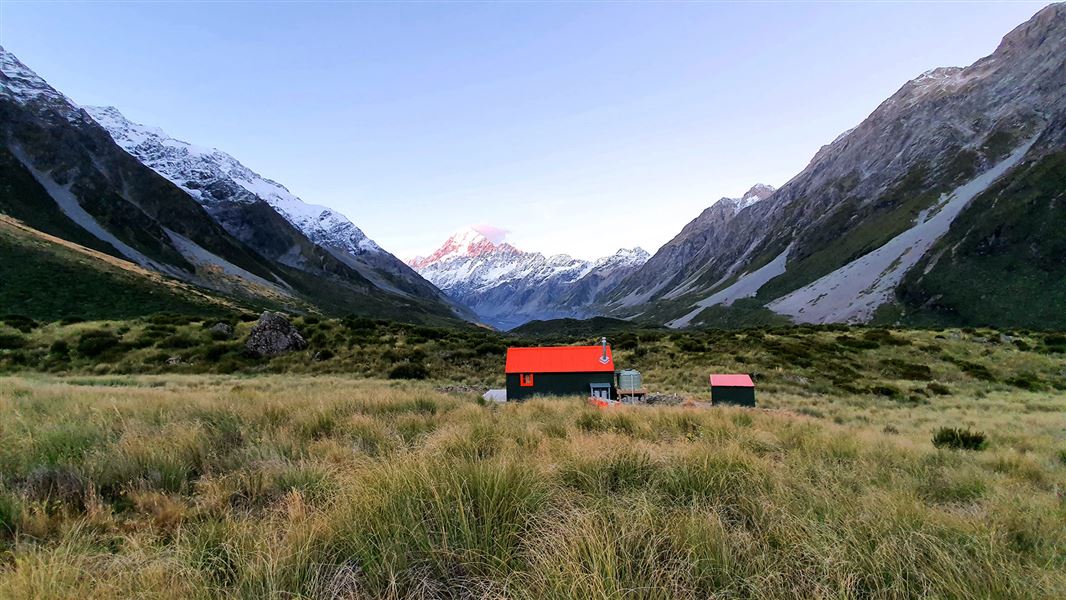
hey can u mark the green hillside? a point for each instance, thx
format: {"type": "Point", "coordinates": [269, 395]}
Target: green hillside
{"type": "Point", "coordinates": [45, 278]}
{"type": "Point", "coordinates": [1002, 262]}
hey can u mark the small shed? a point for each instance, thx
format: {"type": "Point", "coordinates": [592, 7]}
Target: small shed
{"type": "Point", "coordinates": [560, 371]}
{"type": "Point", "coordinates": [732, 389]}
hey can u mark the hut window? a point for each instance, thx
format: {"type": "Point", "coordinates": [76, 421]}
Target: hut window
{"type": "Point", "coordinates": [526, 380]}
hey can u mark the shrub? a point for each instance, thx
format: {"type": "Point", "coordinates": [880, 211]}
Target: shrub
{"type": "Point", "coordinates": [626, 341]}
{"type": "Point", "coordinates": [60, 349]}
{"type": "Point", "coordinates": [359, 324]}
{"type": "Point", "coordinates": [901, 369]}
{"type": "Point", "coordinates": [975, 370]}
{"type": "Point", "coordinates": [92, 344]}
{"type": "Point", "coordinates": [1026, 381]}
{"type": "Point", "coordinates": [179, 341]}
{"type": "Point", "coordinates": [486, 348]}
{"type": "Point", "coordinates": [850, 342]}
{"type": "Point", "coordinates": [218, 350]}
{"type": "Point", "coordinates": [409, 370]}
{"type": "Point", "coordinates": [959, 439]}
{"type": "Point", "coordinates": [884, 336]}
{"type": "Point", "coordinates": [886, 390]}
{"type": "Point", "coordinates": [1055, 339]}
{"type": "Point", "coordinates": [690, 345]}
{"type": "Point", "coordinates": [11, 341]}
{"type": "Point", "coordinates": [939, 389]}
{"type": "Point", "coordinates": [20, 322]}
{"type": "Point", "coordinates": [172, 319]}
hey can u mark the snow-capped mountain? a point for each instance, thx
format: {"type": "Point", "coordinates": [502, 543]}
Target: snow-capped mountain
{"type": "Point", "coordinates": [22, 85]}
{"type": "Point", "coordinates": [225, 228]}
{"type": "Point", "coordinates": [758, 192]}
{"type": "Point", "coordinates": [217, 180]}
{"type": "Point", "coordinates": [506, 287]}
{"type": "Point", "coordinates": [213, 176]}
{"type": "Point", "coordinates": [463, 244]}
{"type": "Point", "coordinates": [945, 205]}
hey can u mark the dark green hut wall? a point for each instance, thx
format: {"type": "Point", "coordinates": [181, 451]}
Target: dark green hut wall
{"type": "Point", "coordinates": [744, 396]}
{"type": "Point", "coordinates": [556, 384]}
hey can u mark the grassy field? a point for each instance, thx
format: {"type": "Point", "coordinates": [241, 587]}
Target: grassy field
{"type": "Point", "coordinates": [316, 476]}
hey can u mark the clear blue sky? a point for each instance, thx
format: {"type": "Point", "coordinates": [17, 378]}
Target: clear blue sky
{"type": "Point", "coordinates": [578, 127]}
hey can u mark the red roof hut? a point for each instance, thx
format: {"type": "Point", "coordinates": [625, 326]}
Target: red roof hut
{"type": "Point", "coordinates": [560, 371]}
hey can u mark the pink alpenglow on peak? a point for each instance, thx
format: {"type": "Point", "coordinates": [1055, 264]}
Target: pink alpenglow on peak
{"type": "Point", "coordinates": [465, 243]}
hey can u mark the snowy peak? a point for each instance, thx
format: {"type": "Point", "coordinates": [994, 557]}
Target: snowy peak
{"type": "Point", "coordinates": [757, 193]}
{"type": "Point", "coordinates": [507, 287]}
{"type": "Point", "coordinates": [131, 135]}
{"type": "Point", "coordinates": [212, 177]}
{"type": "Point", "coordinates": [625, 257]}
{"type": "Point", "coordinates": [465, 243]}
{"type": "Point", "coordinates": [19, 81]}
{"type": "Point", "coordinates": [23, 85]}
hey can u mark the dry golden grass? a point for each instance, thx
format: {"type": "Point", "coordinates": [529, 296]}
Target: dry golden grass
{"type": "Point", "coordinates": [331, 487]}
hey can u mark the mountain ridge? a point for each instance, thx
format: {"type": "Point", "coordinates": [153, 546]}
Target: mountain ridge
{"type": "Point", "coordinates": [68, 177]}
{"type": "Point", "coordinates": [506, 286]}
{"type": "Point", "coordinates": [939, 132]}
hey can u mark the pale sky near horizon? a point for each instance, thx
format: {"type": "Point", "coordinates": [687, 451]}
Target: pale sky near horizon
{"type": "Point", "coordinates": [577, 127]}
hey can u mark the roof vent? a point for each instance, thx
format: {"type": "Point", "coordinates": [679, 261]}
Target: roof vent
{"type": "Point", "coordinates": [604, 358]}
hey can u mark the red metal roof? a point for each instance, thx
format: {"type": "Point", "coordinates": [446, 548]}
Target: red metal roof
{"type": "Point", "coordinates": [732, 380]}
{"type": "Point", "coordinates": [558, 359]}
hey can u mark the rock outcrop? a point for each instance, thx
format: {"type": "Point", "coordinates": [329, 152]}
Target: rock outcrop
{"type": "Point", "coordinates": [273, 334]}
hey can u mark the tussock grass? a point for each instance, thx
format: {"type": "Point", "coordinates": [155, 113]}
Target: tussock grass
{"type": "Point", "coordinates": [289, 487]}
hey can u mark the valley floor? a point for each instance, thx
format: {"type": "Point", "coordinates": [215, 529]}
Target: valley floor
{"type": "Point", "coordinates": [272, 486]}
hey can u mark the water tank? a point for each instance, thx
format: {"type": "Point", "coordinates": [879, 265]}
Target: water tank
{"type": "Point", "coordinates": [629, 379]}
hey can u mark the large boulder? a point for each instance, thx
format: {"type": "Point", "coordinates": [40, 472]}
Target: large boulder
{"type": "Point", "coordinates": [273, 334]}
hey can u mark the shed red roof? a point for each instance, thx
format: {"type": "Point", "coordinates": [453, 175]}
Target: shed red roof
{"type": "Point", "coordinates": [558, 359]}
{"type": "Point", "coordinates": [739, 380]}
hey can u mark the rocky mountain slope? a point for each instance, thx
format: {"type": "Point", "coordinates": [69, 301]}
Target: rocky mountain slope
{"type": "Point", "coordinates": [218, 181]}
{"type": "Point", "coordinates": [945, 204]}
{"type": "Point", "coordinates": [506, 287]}
{"type": "Point", "coordinates": [64, 175]}
{"type": "Point", "coordinates": [678, 266]}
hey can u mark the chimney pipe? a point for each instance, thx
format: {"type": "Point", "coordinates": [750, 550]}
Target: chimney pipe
{"type": "Point", "coordinates": [604, 359]}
